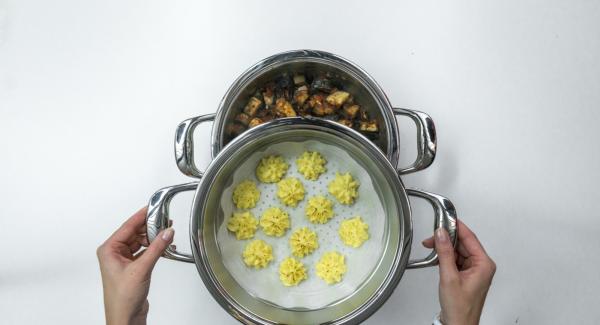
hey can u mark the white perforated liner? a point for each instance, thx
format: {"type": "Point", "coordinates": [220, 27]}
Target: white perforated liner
{"type": "Point", "coordinates": [312, 293]}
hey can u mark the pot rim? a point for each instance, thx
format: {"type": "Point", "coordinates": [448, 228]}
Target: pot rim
{"type": "Point", "coordinates": [334, 60]}
{"type": "Point", "coordinates": [400, 261]}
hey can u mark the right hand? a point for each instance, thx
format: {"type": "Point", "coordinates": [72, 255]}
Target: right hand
{"type": "Point", "coordinates": [126, 269]}
{"type": "Point", "coordinates": [465, 275]}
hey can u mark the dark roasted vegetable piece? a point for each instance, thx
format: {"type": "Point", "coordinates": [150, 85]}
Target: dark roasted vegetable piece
{"type": "Point", "coordinates": [304, 110]}
{"type": "Point", "coordinates": [318, 110]}
{"type": "Point", "coordinates": [269, 95]}
{"type": "Point", "coordinates": [350, 100]}
{"type": "Point", "coordinates": [254, 122]}
{"type": "Point", "coordinates": [284, 87]}
{"type": "Point", "coordinates": [337, 98]}
{"type": "Point", "coordinates": [242, 119]}
{"type": "Point", "coordinates": [301, 95]}
{"type": "Point", "coordinates": [267, 118]}
{"type": "Point", "coordinates": [351, 111]}
{"type": "Point", "coordinates": [322, 83]}
{"type": "Point", "coordinates": [252, 106]}
{"type": "Point", "coordinates": [235, 129]}
{"type": "Point", "coordinates": [262, 112]}
{"type": "Point", "coordinates": [329, 109]}
{"type": "Point", "coordinates": [316, 100]}
{"type": "Point", "coordinates": [370, 126]}
{"type": "Point", "coordinates": [299, 80]}
{"type": "Point", "coordinates": [283, 108]}
{"type": "Point", "coordinates": [364, 116]}
{"type": "Point", "coordinates": [345, 122]}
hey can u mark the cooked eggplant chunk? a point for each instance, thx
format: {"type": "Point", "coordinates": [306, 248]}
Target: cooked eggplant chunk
{"type": "Point", "coordinates": [299, 80]}
{"type": "Point", "coordinates": [262, 112]}
{"type": "Point", "coordinates": [351, 111]}
{"type": "Point", "coordinates": [254, 122]}
{"type": "Point", "coordinates": [242, 118]}
{"type": "Point", "coordinates": [316, 100]}
{"type": "Point", "coordinates": [269, 95]}
{"type": "Point", "coordinates": [290, 95]}
{"type": "Point", "coordinates": [283, 108]}
{"type": "Point", "coordinates": [304, 110]}
{"type": "Point", "coordinates": [318, 110]}
{"type": "Point", "coordinates": [364, 115]}
{"type": "Point", "coordinates": [322, 83]}
{"type": "Point", "coordinates": [350, 100]}
{"type": "Point", "coordinates": [370, 126]}
{"type": "Point", "coordinates": [338, 98]}
{"type": "Point", "coordinates": [235, 129]}
{"type": "Point", "coordinates": [345, 122]}
{"type": "Point", "coordinates": [284, 87]}
{"type": "Point", "coordinates": [329, 109]}
{"type": "Point", "coordinates": [301, 95]}
{"type": "Point", "coordinates": [252, 106]}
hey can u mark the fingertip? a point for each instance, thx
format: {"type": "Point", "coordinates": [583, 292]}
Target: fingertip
{"type": "Point", "coordinates": [167, 234]}
{"type": "Point", "coordinates": [428, 242]}
{"type": "Point", "coordinates": [441, 236]}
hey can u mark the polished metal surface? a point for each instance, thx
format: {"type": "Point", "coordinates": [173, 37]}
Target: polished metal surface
{"type": "Point", "coordinates": [157, 217]}
{"type": "Point", "coordinates": [426, 140]}
{"type": "Point", "coordinates": [184, 144]}
{"type": "Point", "coordinates": [445, 217]}
{"type": "Point", "coordinates": [356, 80]}
{"type": "Point", "coordinates": [206, 217]}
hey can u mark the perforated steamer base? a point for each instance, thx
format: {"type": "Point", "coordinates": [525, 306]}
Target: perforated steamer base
{"type": "Point", "coordinates": [312, 293]}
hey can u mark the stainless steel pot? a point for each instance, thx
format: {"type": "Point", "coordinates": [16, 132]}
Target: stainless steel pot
{"type": "Point", "coordinates": [356, 81]}
{"type": "Point", "coordinates": [206, 217]}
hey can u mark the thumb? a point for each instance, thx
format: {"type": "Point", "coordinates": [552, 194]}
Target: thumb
{"type": "Point", "coordinates": [445, 251]}
{"type": "Point", "coordinates": [156, 249]}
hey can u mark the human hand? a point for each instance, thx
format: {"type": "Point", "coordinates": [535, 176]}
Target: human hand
{"type": "Point", "coordinates": [465, 275]}
{"type": "Point", "coordinates": [126, 269]}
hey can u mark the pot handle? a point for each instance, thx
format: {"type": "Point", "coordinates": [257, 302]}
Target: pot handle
{"type": "Point", "coordinates": [184, 144]}
{"type": "Point", "coordinates": [157, 217]}
{"type": "Point", "coordinates": [445, 216]}
{"type": "Point", "coordinates": [426, 140]}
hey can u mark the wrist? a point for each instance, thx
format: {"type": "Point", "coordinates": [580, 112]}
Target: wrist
{"type": "Point", "coordinates": [121, 316]}
{"type": "Point", "coordinates": [126, 320]}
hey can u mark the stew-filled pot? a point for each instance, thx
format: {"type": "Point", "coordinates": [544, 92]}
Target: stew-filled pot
{"type": "Point", "coordinates": [311, 63]}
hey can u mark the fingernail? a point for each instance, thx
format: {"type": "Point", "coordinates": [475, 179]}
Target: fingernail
{"type": "Point", "coordinates": [167, 234]}
{"type": "Point", "coordinates": [441, 235]}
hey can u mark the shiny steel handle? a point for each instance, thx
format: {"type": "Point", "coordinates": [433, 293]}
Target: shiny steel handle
{"type": "Point", "coordinates": [157, 218]}
{"type": "Point", "coordinates": [445, 216]}
{"type": "Point", "coordinates": [184, 144]}
{"type": "Point", "coordinates": [426, 140]}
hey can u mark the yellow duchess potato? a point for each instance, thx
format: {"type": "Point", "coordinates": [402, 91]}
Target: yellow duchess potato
{"type": "Point", "coordinates": [271, 169]}
{"type": "Point", "coordinates": [290, 191]}
{"type": "Point", "coordinates": [258, 254]}
{"type": "Point", "coordinates": [303, 242]}
{"type": "Point", "coordinates": [292, 272]}
{"type": "Point", "coordinates": [311, 165]}
{"type": "Point", "coordinates": [331, 267]}
{"type": "Point", "coordinates": [354, 232]}
{"type": "Point", "coordinates": [319, 209]}
{"type": "Point", "coordinates": [246, 195]}
{"type": "Point", "coordinates": [344, 188]}
{"type": "Point", "coordinates": [243, 224]}
{"type": "Point", "coordinates": [275, 222]}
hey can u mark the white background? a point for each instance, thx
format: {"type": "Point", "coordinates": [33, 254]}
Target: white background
{"type": "Point", "coordinates": [91, 93]}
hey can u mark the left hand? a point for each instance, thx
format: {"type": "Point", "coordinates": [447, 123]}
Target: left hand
{"type": "Point", "coordinates": [126, 269]}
